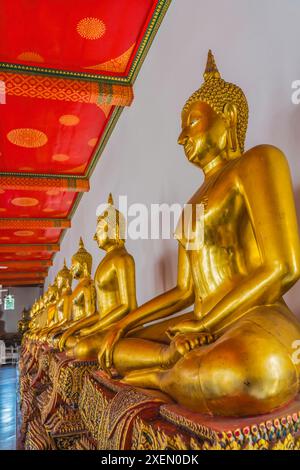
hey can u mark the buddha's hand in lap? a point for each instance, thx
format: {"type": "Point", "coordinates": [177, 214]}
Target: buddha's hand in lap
{"type": "Point", "coordinates": [189, 334]}
{"type": "Point", "coordinates": [105, 355]}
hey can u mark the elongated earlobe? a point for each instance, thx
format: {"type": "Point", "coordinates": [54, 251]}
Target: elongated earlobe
{"type": "Point", "coordinates": [231, 117]}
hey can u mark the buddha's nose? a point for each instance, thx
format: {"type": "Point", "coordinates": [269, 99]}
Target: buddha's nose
{"type": "Point", "coordinates": [182, 138]}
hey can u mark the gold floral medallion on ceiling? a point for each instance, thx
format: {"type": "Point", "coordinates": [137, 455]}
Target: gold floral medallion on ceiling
{"type": "Point", "coordinates": [31, 56]}
{"type": "Point", "coordinates": [27, 137]}
{"type": "Point", "coordinates": [91, 28]}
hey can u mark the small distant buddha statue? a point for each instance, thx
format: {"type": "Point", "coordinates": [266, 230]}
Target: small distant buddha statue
{"type": "Point", "coordinates": [35, 314]}
{"type": "Point", "coordinates": [51, 299]}
{"type": "Point", "coordinates": [23, 323]}
{"type": "Point", "coordinates": [114, 283]}
{"type": "Point", "coordinates": [32, 314]}
{"type": "Point", "coordinates": [83, 301]}
{"type": "Point", "coordinates": [233, 354]}
{"type": "Point", "coordinates": [38, 320]}
{"type": "Point", "coordinates": [64, 303]}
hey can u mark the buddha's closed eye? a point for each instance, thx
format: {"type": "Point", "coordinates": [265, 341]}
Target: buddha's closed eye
{"type": "Point", "coordinates": [194, 121]}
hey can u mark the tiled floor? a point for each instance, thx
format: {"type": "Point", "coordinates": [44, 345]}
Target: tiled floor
{"type": "Point", "coordinates": [8, 396]}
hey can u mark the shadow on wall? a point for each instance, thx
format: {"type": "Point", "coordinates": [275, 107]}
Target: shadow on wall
{"type": "Point", "coordinates": [166, 268]}
{"type": "Point", "coordinates": [292, 297]}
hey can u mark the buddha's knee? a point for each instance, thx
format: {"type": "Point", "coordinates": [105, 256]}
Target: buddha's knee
{"type": "Point", "coordinates": [248, 380]}
{"type": "Point", "coordinates": [81, 350]}
{"type": "Point", "coordinates": [71, 342]}
{"type": "Point", "coordinates": [234, 376]}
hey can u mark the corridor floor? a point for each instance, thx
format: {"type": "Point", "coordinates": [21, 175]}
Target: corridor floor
{"type": "Point", "coordinates": [8, 396]}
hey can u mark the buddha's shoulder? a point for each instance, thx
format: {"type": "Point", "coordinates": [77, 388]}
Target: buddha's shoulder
{"type": "Point", "coordinates": [262, 156]}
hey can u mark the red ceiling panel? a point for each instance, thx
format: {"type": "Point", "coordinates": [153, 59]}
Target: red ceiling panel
{"type": "Point", "coordinates": [50, 235]}
{"type": "Point", "coordinates": [48, 136]}
{"type": "Point", "coordinates": [67, 69]}
{"type": "Point", "coordinates": [24, 254]}
{"type": "Point", "coordinates": [18, 203]}
{"type": "Point", "coordinates": [11, 266]}
{"type": "Point", "coordinates": [85, 36]}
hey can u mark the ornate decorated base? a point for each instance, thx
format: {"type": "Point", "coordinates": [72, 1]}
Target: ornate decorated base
{"type": "Point", "coordinates": [120, 417]}
{"type": "Point", "coordinates": [50, 394]}
{"type": "Point", "coordinates": [109, 410]}
{"type": "Point", "coordinates": [72, 405]}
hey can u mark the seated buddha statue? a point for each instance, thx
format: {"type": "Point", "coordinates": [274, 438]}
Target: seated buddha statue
{"type": "Point", "coordinates": [32, 314]}
{"type": "Point", "coordinates": [82, 300]}
{"type": "Point", "coordinates": [51, 298]}
{"type": "Point", "coordinates": [23, 323]}
{"type": "Point", "coordinates": [114, 283]}
{"type": "Point", "coordinates": [32, 327]}
{"type": "Point", "coordinates": [63, 304]}
{"type": "Point", "coordinates": [38, 319]}
{"type": "Point", "coordinates": [233, 354]}
{"type": "Point", "coordinates": [39, 325]}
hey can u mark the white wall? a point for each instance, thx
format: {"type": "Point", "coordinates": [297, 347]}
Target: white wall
{"type": "Point", "coordinates": [256, 44]}
{"type": "Point", "coordinates": [24, 297]}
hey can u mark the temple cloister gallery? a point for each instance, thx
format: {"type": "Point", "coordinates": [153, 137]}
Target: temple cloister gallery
{"type": "Point", "coordinates": [149, 243]}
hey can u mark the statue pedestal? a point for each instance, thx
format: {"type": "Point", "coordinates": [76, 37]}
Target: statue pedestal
{"type": "Point", "coordinates": [75, 406]}
{"type": "Point", "coordinates": [109, 410]}
{"type": "Point", "coordinates": [51, 419]}
{"type": "Point", "coordinates": [117, 416]}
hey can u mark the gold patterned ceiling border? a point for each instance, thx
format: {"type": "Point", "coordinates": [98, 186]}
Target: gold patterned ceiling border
{"type": "Point", "coordinates": [62, 89]}
{"type": "Point", "coordinates": [154, 24]}
{"type": "Point", "coordinates": [32, 247]}
{"type": "Point", "coordinates": [34, 183]}
{"type": "Point", "coordinates": [15, 223]}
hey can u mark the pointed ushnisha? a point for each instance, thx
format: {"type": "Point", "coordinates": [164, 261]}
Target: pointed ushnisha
{"type": "Point", "coordinates": [211, 70]}
{"type": "Point", "coordinates": [110, 199]}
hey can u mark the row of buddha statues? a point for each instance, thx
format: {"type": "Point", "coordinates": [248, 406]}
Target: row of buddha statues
{"type": "Point", "coordinates": [232, 354]}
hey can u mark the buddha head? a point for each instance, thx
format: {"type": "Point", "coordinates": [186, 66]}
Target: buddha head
{"type": "Point", "coordinates": [214, 119]}
{"type": "Point", "coordinates": [81, 262]}
{"type": "Point", "coordinates": [52, 292]}
{"type": "Point", "coordinates": [43, 302]}
{"type": "Point", "coordinates": [64, 279]}
{"type": "Point", "coordinates": [110, 231]}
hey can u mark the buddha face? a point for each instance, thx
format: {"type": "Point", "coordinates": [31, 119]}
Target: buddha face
{"type": "Point", "coordinates": [76, 269]}
{"type": "Point", "coordinates": [105, 236]}
{"type": "Point", "coordinates": [62, 283]}
{"type": "Point", "coordinates": [101, 236]}
{"type": "Point", "coordinates": [204, 133]}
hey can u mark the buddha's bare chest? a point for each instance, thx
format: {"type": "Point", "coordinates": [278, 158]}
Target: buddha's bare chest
{"type": "Point", "coordinates": [106, 279]}
{"type": "Point", "coordinates": [220, 254]}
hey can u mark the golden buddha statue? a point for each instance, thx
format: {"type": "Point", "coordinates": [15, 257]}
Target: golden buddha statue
{"type": "Point", "coordinates": [32, 313]}
{"type": "Point", "coordinates": [233, 354]}
{"type": "Point", "coordinates": [83, 302]}
{"type": "Point", "coordinates": [23, 323]}
{"type": "Point", "coordinates": [50, 300]}
{"type": "Point", "coordinates": [38, 325]}
{"type": "Point", "coordinates": [36, 314]}
{"type": "Point", "coordinates": [114, 283]}
{"type": "Point", "coordinates": [64, 303]}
